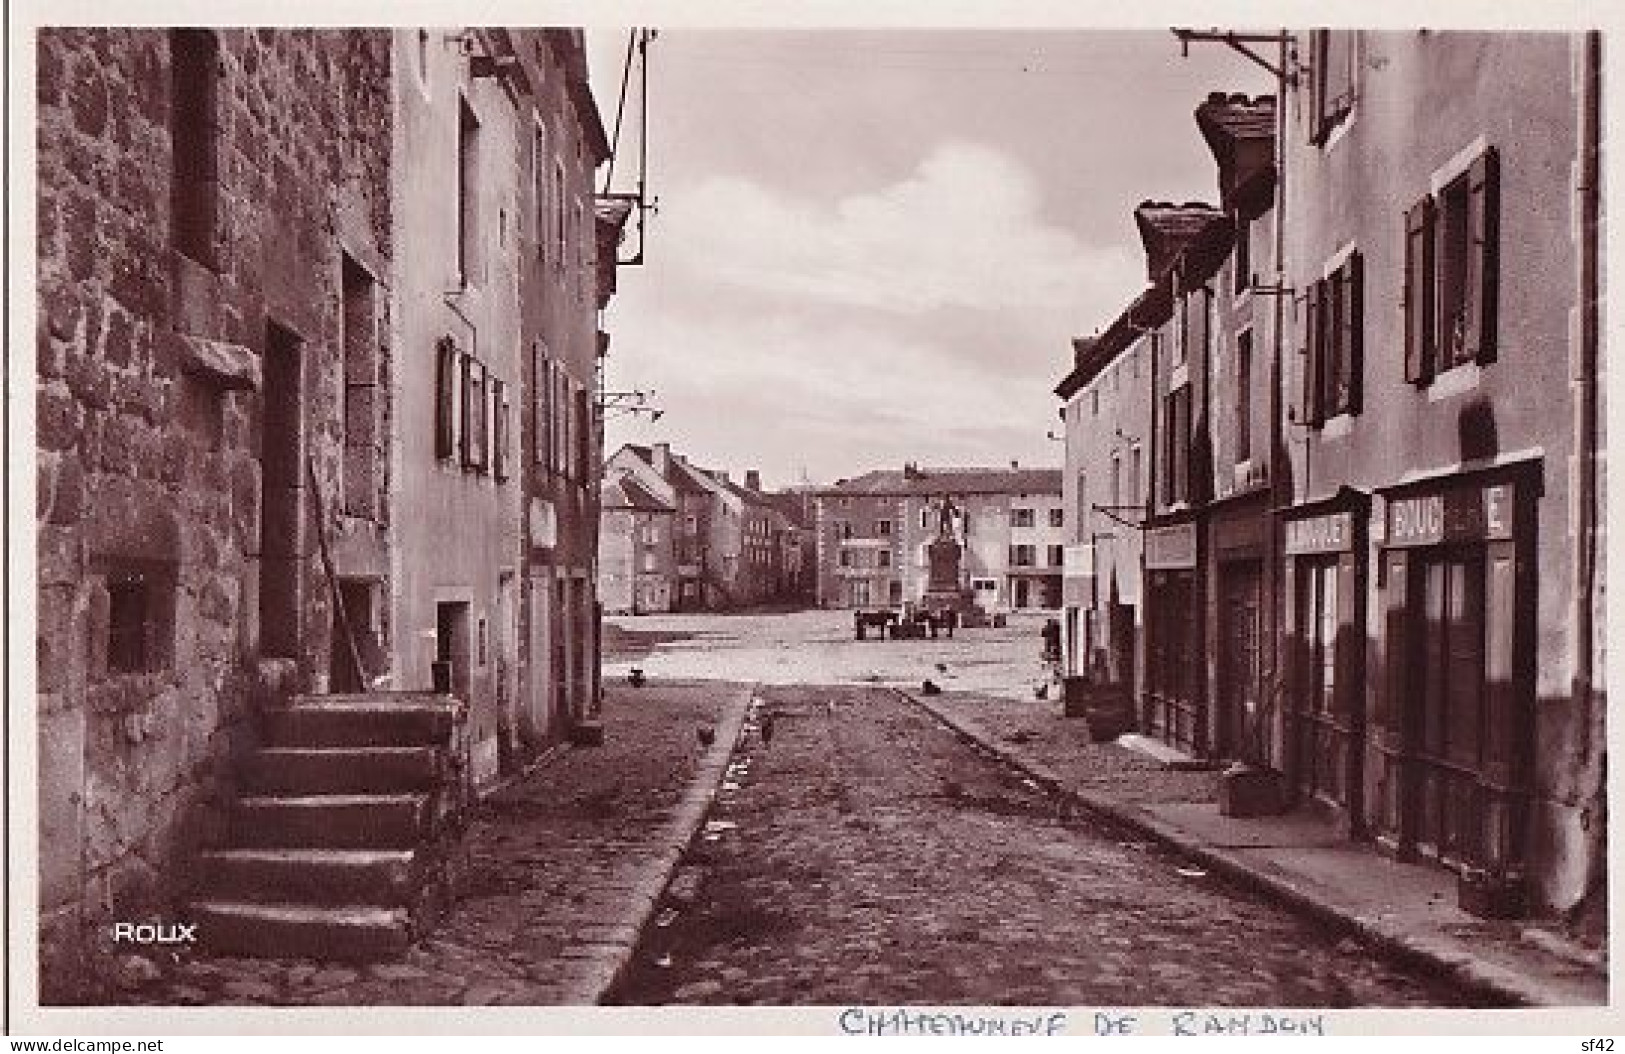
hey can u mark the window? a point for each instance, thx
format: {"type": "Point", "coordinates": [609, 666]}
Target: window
{"type": "Point", "coordinates": [474, 414]}
{"type": "Point", "coordinates": [468, 187]}
{"type": "Point", "coordinates": [846, 558]}
{"type": "Point", "coordinates": [541, 394]}
{"type": "Point", "coordinates": [538, 185]}
{"type": "Point", "coordinates": [1243, 260]}
{"type": "Point", "coordinates": [446, 404]}
{"type": "Point", "coordinates": [884, 556]}
{"type": "Point", "coordinates": [1023, 555]}
{"type": "Point", "coordinates": [1057, 517]}
{"type": "Point", "coordinates": [501, 429]}
{"type": "Point", "coordinates": [1021, 517]}
{"type": "Point", "coordinates": [1452, 264]}
{"type": "Point", "coordinates": [846, 529]}
{"type": "Point", "coordinates": [1116, 481]}
{"type": "Point", "coordinates": [925, 518]}
{"type": "Point", "coordinates": [1080, 529]}
{"type": "Point", "coordinates": [1176, 445]}
{"type": "Point", "coordinates": [1331, 74]}
{"type": "Point", "coordinates": [883, 528]}
{"type": "Point", "coordinates": [1244, 395]}
{"type": "Point", "coordinates": [1333, 334]}
{"type": "Point", "coordinates": [1055, 556]}
{"type": "Point", "coordinates": [359, 340]}
{"type": "Point", "coordinates": [1318, 614]}
{"type": "Point", "coordinates": [559, 234]}
{"type": "Point", "coordinates": [194, 143]}
{"type": "Point", "coordinates": [1134, 476]}
{"type": "Point", "coordinates": [127, 615]}
{"type": "Point", "coordinates": [584, 433]}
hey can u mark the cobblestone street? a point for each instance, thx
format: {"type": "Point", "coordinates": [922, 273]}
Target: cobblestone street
{"type": "Point", "coordinates": [557, 861]}
{"type": "Point", "coordinates": [865, 854]}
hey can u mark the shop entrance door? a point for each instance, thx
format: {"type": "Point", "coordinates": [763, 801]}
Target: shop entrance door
{"type": "Point", "coordinates": [1446, 728]}
{"type": "Point", "coordinates": [1240, 661]}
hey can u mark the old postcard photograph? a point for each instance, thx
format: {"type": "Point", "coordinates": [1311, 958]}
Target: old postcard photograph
{"type": "Point", "coordinates": [832, 522]}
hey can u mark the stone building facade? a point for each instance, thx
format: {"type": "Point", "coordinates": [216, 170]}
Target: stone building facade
{"type": "Point", "coordinates": [316, 365]}
{"type": "Point", "coordinates": [214, 237]}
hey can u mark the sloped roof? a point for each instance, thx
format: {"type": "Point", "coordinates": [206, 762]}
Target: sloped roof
{"type": "Point", "coordinates": [627, 493]}
{"type": "Point", "coordinates": [1240, 132]}
{"type": "Point", "coordinates": [953, 480]}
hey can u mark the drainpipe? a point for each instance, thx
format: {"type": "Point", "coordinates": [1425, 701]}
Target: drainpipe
{"type": "Point", "coordinates": [1278, 494]}
{"type": "Point", "coordinates": [1586, 485]}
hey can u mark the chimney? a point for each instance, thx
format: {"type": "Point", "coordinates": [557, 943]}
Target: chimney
{"type": "Point", "coordinates": [753, 479]}
{"type": "Point", "coordinates": [660, 456]}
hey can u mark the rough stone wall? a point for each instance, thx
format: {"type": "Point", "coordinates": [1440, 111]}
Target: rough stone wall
{"type": "Point", "coordinates": [148, 411]}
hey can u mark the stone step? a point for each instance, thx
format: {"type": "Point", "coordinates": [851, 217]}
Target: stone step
{"type": "Point", "coordinates": [361, 721]}
{"type": "Point", "coordinates": [375, 877]}
{"type": "Point", "coordinates": [350, 933]}
{"type": "Point", "coordinates": [340, 770]}
{"type": "Point", "coordinates": [337, 821]}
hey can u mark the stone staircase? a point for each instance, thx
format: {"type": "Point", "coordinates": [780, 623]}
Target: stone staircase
{"type": "Point", "coordinates": [344, 843]}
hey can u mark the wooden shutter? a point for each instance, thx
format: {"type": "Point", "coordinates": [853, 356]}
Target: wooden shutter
{"type": "Point", "coordinates": [466, 401]}
{"type": "Point", "coordinates": [499, 430]}
{"type": "Point", "coordinates": [1483, 254]}
{"type": "Point", "coordinates": [1352, 342]}
{"type": "Point", "coordinates": [1314, 351]}
{"type": "Point", "coordinates": [1418, 292]}
{"type": "Point", "coordinates": [445, 386]}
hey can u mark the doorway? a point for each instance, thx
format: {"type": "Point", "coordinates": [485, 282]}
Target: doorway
{"type": "Point", "coordinates": [1241, 660]}
{"type": "Point", "coordinates": [452, 646]}
{"type": "Point", "coordinates": [352, 622]}
{"type": "Point", "coordinates": [1446, 729]}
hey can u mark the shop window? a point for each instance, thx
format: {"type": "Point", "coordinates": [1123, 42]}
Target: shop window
{"type": "Point", "coordinates": [1332, 78]}
{"type": "Point", "coordinates": [195, 143]}
{"type": "Point", "coordinates": [1317, 618]}
{"type": "Point", "coordinates": [1334, 328]}
{"type": "Point", "coordinates": [1452, 264]}
{"type": "Point", "coordinates": [1449, 723]}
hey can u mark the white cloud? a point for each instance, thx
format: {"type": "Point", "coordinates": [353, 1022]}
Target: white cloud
{"type": "Point", "coordinates": [962, 231]}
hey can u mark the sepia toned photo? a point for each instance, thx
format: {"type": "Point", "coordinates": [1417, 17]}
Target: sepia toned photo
{"type": "Point", "coordinates": [882, 520]}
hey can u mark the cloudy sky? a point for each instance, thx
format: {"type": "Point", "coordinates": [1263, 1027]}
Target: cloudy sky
{"type": "Point", "coordinates": [875, 246]}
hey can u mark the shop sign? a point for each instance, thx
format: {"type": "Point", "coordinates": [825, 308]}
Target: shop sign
{"type": "Point", "coordinates": [1169, 548]}
{"type": "Point", "coordinates": [1320, 534]}
{"type": "Point", "coordinates": [1465, 514]}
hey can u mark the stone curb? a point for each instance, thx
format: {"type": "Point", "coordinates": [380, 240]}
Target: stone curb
{"type": "Point", "coordinates": [1462, 967]}
{"type": "Point", "coordinates": [608, 969]}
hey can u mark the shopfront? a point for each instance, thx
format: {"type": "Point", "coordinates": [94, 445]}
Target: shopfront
{"type": "Point", "coordinates": [1325, 588]}
{"type": "Point", "coordinates": [1456, 744]}
{"type": "Point", "coordinates": [1240, 628]}
{"type": "Point", "coordinates": [1173, 707]}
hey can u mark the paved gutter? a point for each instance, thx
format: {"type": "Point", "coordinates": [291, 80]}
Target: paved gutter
{"type": "Point", "coordinates": [1440, 954]}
